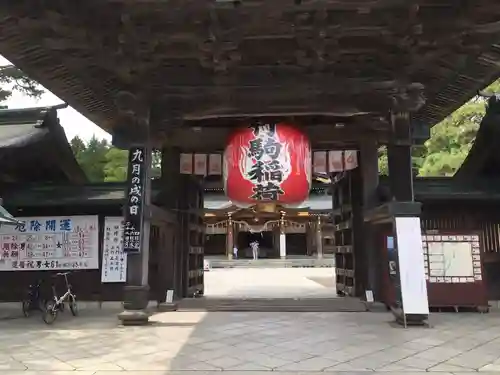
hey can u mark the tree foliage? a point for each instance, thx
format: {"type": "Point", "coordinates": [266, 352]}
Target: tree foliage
{"type": "Point", "coordinates": [453, 137]}
{"type": "Point", "coordinates": [12, 79]}
{"type": "Point", "coordinates": [102, 162]}
{"type": "Point", "coordinates": [450, 141]}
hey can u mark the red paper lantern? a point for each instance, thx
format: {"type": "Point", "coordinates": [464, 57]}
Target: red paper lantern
{"type": "Point", "coordinates": [267, 163]}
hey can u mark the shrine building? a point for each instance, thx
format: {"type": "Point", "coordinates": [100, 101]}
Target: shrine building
{"type": "Point", "coordinates": [273, 92]}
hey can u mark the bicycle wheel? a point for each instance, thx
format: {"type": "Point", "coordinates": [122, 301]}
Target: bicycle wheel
{"type": "Point", "coordinates": [50, 312]}
{"type": "Point", "coordinates": [73, 306]}
{"type": "Point", "coordinates": [26, 307]}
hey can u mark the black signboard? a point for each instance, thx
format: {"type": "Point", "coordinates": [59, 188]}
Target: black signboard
{"type": "Point", "coordinates": [135, 194]}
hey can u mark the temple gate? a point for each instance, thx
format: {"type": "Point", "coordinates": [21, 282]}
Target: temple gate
{"type": "Point", "coordinates": [349, 75]}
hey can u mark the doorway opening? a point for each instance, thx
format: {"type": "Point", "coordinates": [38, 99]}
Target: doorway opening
{"type": "Point", "coordinates": [267, 247]}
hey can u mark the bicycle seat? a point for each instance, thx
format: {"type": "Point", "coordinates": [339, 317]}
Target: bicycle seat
{"type": "Point", "coordinates": [63, 273]}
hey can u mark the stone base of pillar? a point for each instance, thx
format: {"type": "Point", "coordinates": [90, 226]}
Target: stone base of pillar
{"type": "Point", "coordinates": [134, 317]}
{"type": "Point", "coordinates": [230, 256]}
{"type": "Point", "coordinates": [135, 303]}
{"type": "Point", "coordinates": [409, 319]}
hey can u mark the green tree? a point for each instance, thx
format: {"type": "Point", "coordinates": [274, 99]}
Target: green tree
{"type": "Point", "coordinates": [77, 146]}
{"type": "Point", "coordinates": [156, 161]}
{"type": "Point", "coordinates": [418, 156]}
{"type": "Point", "coordinates": [116, 166]}
{"type": "Point", "coordinates": [91, 157]}
{"type": "Point", "coordinates": [450, 140]}
{"type": "Point", "coordinates": [102, 162]}
{"type": "Point", "coordinates": [115, 169]}
{"type": "Point", "coordinates": [453, 137]}
{"type": "Point", "coordinates": [13, 79]}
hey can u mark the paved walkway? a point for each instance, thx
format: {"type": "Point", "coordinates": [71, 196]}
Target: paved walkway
{"type": "Point", "coordinates": [270, 283]}
{"type": "Point", "coordinates": [250, 344]}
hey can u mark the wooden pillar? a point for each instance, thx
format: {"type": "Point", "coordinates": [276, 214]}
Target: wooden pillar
{"type": "Point", "coordinates": [400, 172]}
{"type": "Point", "coordinates": [229, 237]}
{"type": "Point", "coordinates": [368, 164]}
{"type": "Point", "coordinates": [399, 158]}
{"type": "Point", "coordinates": [319, 239]}
{"type": "Point", "coordinates": [183, 244]}
{"type": "Point", "coordinates": [308, 240]}
{"type": "Point", "coordinates": [137, 219]}
{"type": "Point", "coordinates": [170, 181]}
{"type": "Point", "coordinates": [357, 234]}
{"type": "Point", "coordinates": [411, 290]}
{"type": "Point", "coordinates": [236, 231]}
{"type": "Point", "coordinates": [282, 242]}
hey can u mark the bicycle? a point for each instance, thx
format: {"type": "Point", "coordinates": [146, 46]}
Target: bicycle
{"type": "Point", "coordinates": [33, 299]}
{"type": "Point", "coordinates": [53, 307]}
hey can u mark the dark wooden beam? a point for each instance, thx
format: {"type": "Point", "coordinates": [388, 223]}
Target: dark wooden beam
{"type": "Point", "coordinates": [211, 60]}
{"type": "Point", "coordinates": [323, 137]}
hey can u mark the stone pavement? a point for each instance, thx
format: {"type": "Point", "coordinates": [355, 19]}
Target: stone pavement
{"type": "Point", "coordinates": [271, 283]}
{"type": "Point", "coordinates": [250, 344]}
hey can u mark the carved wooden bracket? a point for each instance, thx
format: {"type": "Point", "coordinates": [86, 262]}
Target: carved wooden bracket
{"type": "Point", "coordinates": [408, 98]}
{"type": "Point", "coordinates": [219, 51]}
{"type": "Point", "coordinates": [318, 46]}
{"type": "Point", "coordinates": [134, 115]}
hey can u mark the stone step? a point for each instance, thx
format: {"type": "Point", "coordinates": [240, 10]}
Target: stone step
{"type": "Point", "coordinates": [340, 304]}
{"type": "Point", "coordinates": [270, 263]}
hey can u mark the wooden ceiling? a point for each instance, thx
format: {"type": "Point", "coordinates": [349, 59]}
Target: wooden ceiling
{"type": "Point", "coordinates": [218, 63]}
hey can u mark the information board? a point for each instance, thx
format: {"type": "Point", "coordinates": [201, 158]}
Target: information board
{"type": "Point", "coordinates": [411, 265]}
{"type": "Point", "coordinates": [50, 243]}
{"type": "Point", "coordinates": [452, 258]}
{"type": "Point", "coordinates": [114, 259]}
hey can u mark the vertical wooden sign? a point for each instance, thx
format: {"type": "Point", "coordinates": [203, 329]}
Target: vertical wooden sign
{"type": "Point", "coordinates": [132, 232]}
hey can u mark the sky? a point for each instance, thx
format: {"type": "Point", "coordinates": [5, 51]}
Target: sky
{"type": "Point", "coordinates": [73, 122]}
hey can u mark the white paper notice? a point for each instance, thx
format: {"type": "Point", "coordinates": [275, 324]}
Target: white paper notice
{"type": "Point", "coordinates": [186, 163]}
{"type": "Point", "coordinates": [351, 159]}
{"type": "Point", "coordinates": [319, 162]}
{"type": "Point", "coordinates": [335, 161]}
{"type": "Point", "coordinates": [200, 164]}
{"type": "Point", "coordinates": [50, 243]}
{"type": "Point", "coordinates": [214, 164]}
{"type": "Point", "coordinates": [411, 265]}
{"type": "Point", "coordinates": [114, 260]}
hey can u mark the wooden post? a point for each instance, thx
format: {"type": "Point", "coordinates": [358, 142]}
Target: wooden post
{"type": "Point", "coordinates": [169, 195]}
{"type": "Point", "coordinates": [368, 164]}
{"type": "Point", "coordinates": [137, 231]}
{"type": "Point", "coordinates": [309, 238]}
{"type": "Point", "coordinates": [412, 304]}
{"type": "Point", "coordinates": [282, 237]}
{"type": "Point", "coordinates": [229, 237]}
{"type": "Point", "coordinates": [319, 238]}
{"type": "Point", "coordinates": [399, 158]}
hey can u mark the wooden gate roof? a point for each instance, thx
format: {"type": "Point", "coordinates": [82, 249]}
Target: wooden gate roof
{"type": "Point", "coordinates": [34, 149]}
{"type": "Point", "coordinates": [207, 61]}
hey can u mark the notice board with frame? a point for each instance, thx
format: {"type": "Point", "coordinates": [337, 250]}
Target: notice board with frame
{"type": "Point", "coordinates": [454, 269]}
